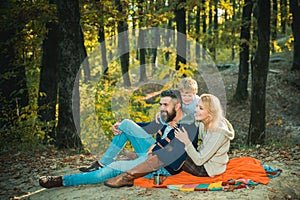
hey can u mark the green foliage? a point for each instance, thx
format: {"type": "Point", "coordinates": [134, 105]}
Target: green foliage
{"type": "Point", "coordinates": [23, 128]}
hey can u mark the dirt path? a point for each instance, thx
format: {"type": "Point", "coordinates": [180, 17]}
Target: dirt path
{"type": "Point", "coordinates": [21, 180]}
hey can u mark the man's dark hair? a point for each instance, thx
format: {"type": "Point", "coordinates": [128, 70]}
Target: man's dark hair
{"type": "Point", "coordinates": [174, 94]}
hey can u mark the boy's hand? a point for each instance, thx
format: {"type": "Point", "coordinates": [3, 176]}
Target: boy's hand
{"type": "Point", "coordinates": [173, 124]}
{"type": "Point", "coordinates": [157, 116]}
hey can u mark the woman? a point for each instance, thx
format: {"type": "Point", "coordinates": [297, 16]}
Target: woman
{"type": "Point", "coordinates": [211, 157]}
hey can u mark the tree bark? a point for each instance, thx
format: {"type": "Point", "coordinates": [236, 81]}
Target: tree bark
{"type": "Point", "coordinates": [102, 42]}
{"type": "Point", "coordinates": [216, 27]}
{"type": "Point", "coordinates": [123, 45]}
{"type": "Point", "coordinates": [141, 42]}
{"type": "Point", "coordinates": [210, 32]}
{"type": "Point", "coordinates": [283, 16]}
{"type": "Point", "coordinates": [241, 92]}
{"type": "Point", "coordinates": [47, 99]}
{"type": "Point", "coordinates": [295, 9]}
{"type": "Point", "coordinates": [181, 28]}
{"type": "Point", "coordinates": [204, 27]}
{"type": "Point", "coordinates": [69, 59]}
{"type": "Point", "coordinates": [233, 31]}
{"type": "Point", "coordinates": [85, 63]}
{"type": "Point", "coordinates": [260, 66]}
{"type": "Point", "coordinates": [274, 24]}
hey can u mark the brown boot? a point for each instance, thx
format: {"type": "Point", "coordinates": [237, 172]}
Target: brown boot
{"type": "Point", "coordinates": [51, 181]}
{"type": "Point", "coordinates": [95, 166]}
{"type": "Point", "coordinates": [127, 178]}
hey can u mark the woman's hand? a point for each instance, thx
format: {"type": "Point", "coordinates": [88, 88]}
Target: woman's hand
{"type": "Point", "coordinates": [182, 136]}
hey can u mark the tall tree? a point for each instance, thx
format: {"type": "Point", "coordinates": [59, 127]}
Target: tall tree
{"type": "Point", "coordinates": [197, 27]}
{"type": "Point", "coordinates": [101, 40]}
{"type": "Point", "coordinates": [13, 88]}
{"type": "Point", "coordinates": [69, 59]}
{"type": "Point", "coordinates": [295, 9]}
{"type": "Point", "coordinates": [274, 24]}
{"type": "Point", "coordinates": [47, 99]}
{"type": "Point", "coordinates": [210, 32]}
{"type": "Point", "coordinates": [141, 41]}
{"type": "Point", "coordinates": [123, 43]}
{"type": "Point", "coordinates": [241, 92]}
{"type": "Point", "coordinates": [215, 32]}
{"type": "Point", "coordinates": [181, 29]}
{"type": "Point", "coordinates": [283, 15]}
{"type": "Point", "coordinates": [232, 30]}
{"type": "Point", "coordinates": [259, 69]}
{"type": "Point", "coordinates": [204, 27]}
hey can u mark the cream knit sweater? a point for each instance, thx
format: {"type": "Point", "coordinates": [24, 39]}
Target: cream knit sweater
{"type": "Point", "coordinates": [212, 153]}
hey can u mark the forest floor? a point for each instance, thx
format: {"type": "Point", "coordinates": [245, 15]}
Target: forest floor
{"type": "Point", "coordinates": [19, 171]}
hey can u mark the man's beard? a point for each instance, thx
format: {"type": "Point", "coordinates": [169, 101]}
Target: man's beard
{"type": "Point", "coordinates": [169, 116]}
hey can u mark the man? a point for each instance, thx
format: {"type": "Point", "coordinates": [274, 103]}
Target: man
{"type": "Point", "coordinates": [167, 152]}
{"type": "Point", "coordinates": [127, 130]}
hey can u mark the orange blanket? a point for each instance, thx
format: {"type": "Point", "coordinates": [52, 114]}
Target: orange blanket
{"type": "Point", "coordinates": [237, 168]}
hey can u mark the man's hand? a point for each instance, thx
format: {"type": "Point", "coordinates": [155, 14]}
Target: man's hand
{"type": "Point", "coordinates": [150, 149]}
{"type": "Point", "coordinates": [115, 128]}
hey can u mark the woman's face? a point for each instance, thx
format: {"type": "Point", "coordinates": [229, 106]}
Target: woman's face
{"type": "Point", "coordinates": [201, 113]}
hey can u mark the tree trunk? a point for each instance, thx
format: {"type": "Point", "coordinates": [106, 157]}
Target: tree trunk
{"type": "Point", "coordinates": [101, 40]}
{"type": "Point", "coordinates": [154, 51]}
{"type": "Point", "coordinates": [70, 52]}
{"type": "Point", "coordinates": [85, 63]}
{"type": "Point", "coordinates": [181, 29]}
{"type": "Point", "coordinates": [274, 24]}
{"type": "Point", "coordinates": [123, 45]}
{"type": "Point", "coordinates": [47, 99]}
{"type": "Point", "coordinates": [259, 69]}
{"type": "Point", "coordinates": [242, 85]}
{"type": "Point", "coordinates": [197, 26]}
{"type": "Point", "coordinates": [13, 88]}
{"type": "Point", "coordinates": [216, 35]}
{"type": "Point", "coordinates": [295, 9]}
{"type": "Point", "coordinates": [204, 27]}
{"type": "Point", "coordinates": [283, 15]}
{"type": "Point", "coordinates": [169, 38]}
{"type": "Point", "coordinates": [141, 42]}
{"type": "Point", "coordinates": [210, 32]}
{"type": "Point", "coordinates": [233, 30]}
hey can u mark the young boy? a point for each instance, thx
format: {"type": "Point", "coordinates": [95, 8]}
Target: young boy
{"type": "Point", "coordinates": [188, 88]}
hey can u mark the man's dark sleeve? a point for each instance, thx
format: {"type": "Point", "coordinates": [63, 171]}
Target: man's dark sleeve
{"type": "Point", "coordinates": [150, 127]}
{"type": "Point", "coordinates": [173, 154]}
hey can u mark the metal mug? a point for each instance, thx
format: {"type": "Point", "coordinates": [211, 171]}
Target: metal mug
{"type": "Point", "coordinates": [159, 179]}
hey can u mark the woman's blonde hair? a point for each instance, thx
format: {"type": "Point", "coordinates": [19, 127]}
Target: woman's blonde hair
{"type": "Point", "coordinates": [214, 107]}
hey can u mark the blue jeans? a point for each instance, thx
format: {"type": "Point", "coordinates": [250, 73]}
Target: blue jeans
{"type": "Point", "coordinates": [139, 139]}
